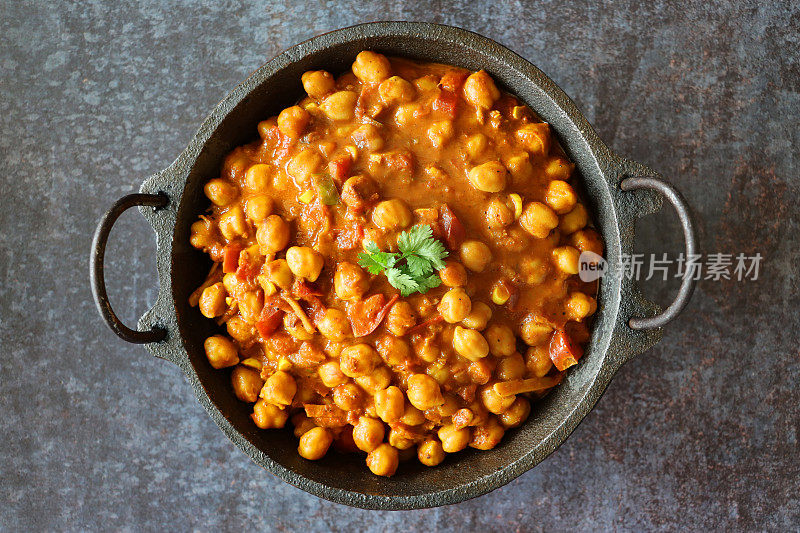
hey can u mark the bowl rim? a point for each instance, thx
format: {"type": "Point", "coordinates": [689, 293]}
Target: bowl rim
{"type": "Point", "coordinates": [623, 295]}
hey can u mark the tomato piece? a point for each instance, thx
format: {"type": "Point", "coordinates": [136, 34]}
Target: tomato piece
{"type": "Point", "coordinates": [304, 289]}
{"type": "Point", "coordinates": [366, 315]}
{"type": "Point", "coordinates": [268, 322]}
{"type": "Point", "coordinates": [447, 103]}
{"type": "Point", "coordinates": [453, 80]}
{"type": "Point", "coordinates": [563, 351]}
{"type": "Point", "coordinates": [284, 143]}
{"type": "Point", "coordinates": [454, 233]}
{"type": "Point", "coordinates": [425, 324]}
{"type": "Point", "coordinates": [230, 258]}
{"type": "Point", "coordinates": [350, 237]}
{"type": "Point", "coordinates": [339, 169]}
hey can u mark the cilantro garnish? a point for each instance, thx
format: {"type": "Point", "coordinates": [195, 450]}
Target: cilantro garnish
{"type": "Point", "coordinates": [412, 269]}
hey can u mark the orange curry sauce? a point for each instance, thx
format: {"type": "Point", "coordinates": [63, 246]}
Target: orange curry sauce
{"type": "Point", "coordinates": [316, 339]}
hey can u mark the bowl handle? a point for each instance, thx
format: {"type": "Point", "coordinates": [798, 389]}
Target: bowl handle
{"type": "Point", "coordinates": [688, 283]}
{"type": "Point", "coordinates": [96, 267]}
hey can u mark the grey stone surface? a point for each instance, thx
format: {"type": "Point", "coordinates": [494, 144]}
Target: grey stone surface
{"type": "Point", "coordinates": [701, 432]}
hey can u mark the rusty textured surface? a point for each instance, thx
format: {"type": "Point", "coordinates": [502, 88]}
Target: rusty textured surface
{"type": "Point", "coordinates": [700, 432]}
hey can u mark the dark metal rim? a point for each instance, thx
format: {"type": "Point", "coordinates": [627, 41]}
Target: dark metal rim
{"type": "Point", "coordinates": [97, 267]}
{"type": "Point", "coordinates": [688, 283]}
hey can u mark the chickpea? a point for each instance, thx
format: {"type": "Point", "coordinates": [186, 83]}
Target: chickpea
{"type": "Point", "coordinates": [406, 114]}
{"type": "Point", "coordinates": [558, 168]}
{"type": "Point", "coordinates": [257, 177]}
{"type": "Point", "coordinates": [367, 137]}
{"type": "Point", "coordinates": [304, 164]}
{"type": "Point", "coordinates": [424, 392]}
{"type": "Point", "coordinates": [480, 371]}
{"type": "Point", "coordinates": [574, 220]}
{"type": "Point", "coordinates": [396, 90]}
{"type": "Point", "coordinates": [400, 318]}
{"type": "Point", "coordinates": [232, 223]}
{"type": "Point", "coordinates": [279, 389]}
{"type": "Point", "coordinates": [348, 396]}
{"type": "Point", "coordinates": [304, 262]}
{"type": "Point", "coordinates": [314, 443]}
{"type": "Point", "coordinates": [453, 440]}
{"type": "Point", "coordinates": [580, 305]}
{"type": "Point", "coordinates": [453, 274]}
{"type": "Point", "coordinates": [430, 452]}
{"type": "Point", "coordinates": [587, 240]}
{"type": "Point", "coordinates": [502, 341]}
{"type": "Point", "coordinates": [537, 360]}
{"type": "Point", "coordinates": [221, 352]}
{"type": "Point", "coordinates": [368, 433]}
{"type": "Point", "coordinates": [399, 440]}
{"type": "Point", "coordinates": [470, 344]}
{"type": "Point", "coordinates": [220, 192]}
{"type": "Point", "coordinates": [371, 67]}
{"type": "Point", "coordinates": [340, 105]}
{"type": "Point", "coordinates": [478, 317]}
{"type": "Point", "coordinates": [535, 138]}
{"type": "Point", "coordinates": [246, 383]}
{"type": "Point", "coordinates": [201, 234]}
{"type": "Point", "coordinates": [567, 259]}
{"type": "Point", "coordinates": [379, 379]}
{"type": "Point", "coordinates": [212, 300]}
{"type": "Point", "coordinates": [560, 197]}
{"type": "Point", "coordinates": [358, 191]}
{"type": "Point", "coordinates": [520, 168]}
{"type": "Point", "coordinates": [390, 404]}
{"type": "Point", "coordinates": [383, 460]}
{"type": "Point", "coordinates": [317, 83]}
{"type": "Point", "coordinates": [292, 121]}
{"type": "Point", "coordinates": [498, 214]}
{"type": "Point", "coordinates": [487, 436]}
{"type": "Point", "coordinates": [489, 177]}
{"type": "Point", "coordinates": [534, 331]}
{"type": "Point", "coordinates": [516, 414]}
{"type": "Point", "coordinates": [331, 375]}
{"type": "Point", "coordinates": [268, 416]}
{"type": "Point", "coordinates": [272, 235]}
{"type": "Point", "coordinates": [538, 219]}
{"type": "Point", "coordinates": [475, 255]}
{"type": "Point", "coordinates": [454, 306]}
{"type": "Point", "coordinates": [476, 144]}
{"type": "Point", "coordinates": [393, 350]}
{"type": "Point", "coordinates": [440, 132]}
{"type": "Point", "coordinates": [334, 325]}
{"type": "Point", "coordinates": [258, 208]}
{"type": "Point", "coordinates": [511, 367]}
{"type": "Point", "coordinates": [240, 330]}
{"type": "Point", "coordinates": [301, 424]}
{"type": "Point", "coordinates": [358, 360]}
{"type": "Point", "coordinates": [480, 90]}
{"type": "Point", "coordinates": [350, 281]}
{"type": "Point", "coordinates": [412, 416]}
{"type": "Point", "coordinates": [494, 402]}
{"type": "Point", "coordinates": [391, 214]}
{"type": "Point", "coordinates": [427, 349]}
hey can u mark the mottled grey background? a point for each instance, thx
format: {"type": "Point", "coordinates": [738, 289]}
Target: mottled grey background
{"type": "Point", "coordinates": [700, 432]}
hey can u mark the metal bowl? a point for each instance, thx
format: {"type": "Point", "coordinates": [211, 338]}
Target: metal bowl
{"type": "Point", "coordinates": [625, 325]}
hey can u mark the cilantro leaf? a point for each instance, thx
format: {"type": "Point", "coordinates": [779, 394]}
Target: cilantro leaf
{"type": "Point", "coordinates": [412, 269]}
{"type": "Point", "coordinates": [418, 266]}
{"type": "Point", "coordinates": [401, 280]}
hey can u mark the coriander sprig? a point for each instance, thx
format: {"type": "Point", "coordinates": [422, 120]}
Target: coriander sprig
{"type": "Point", "coordinates": [412, 269]}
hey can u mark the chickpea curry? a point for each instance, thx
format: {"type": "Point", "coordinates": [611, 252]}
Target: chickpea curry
{"type": "Point", "coordinates": [395, 261]}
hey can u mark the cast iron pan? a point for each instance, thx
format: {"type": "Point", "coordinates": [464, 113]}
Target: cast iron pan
{"type": "Point", "coordinates": [618, 192]}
